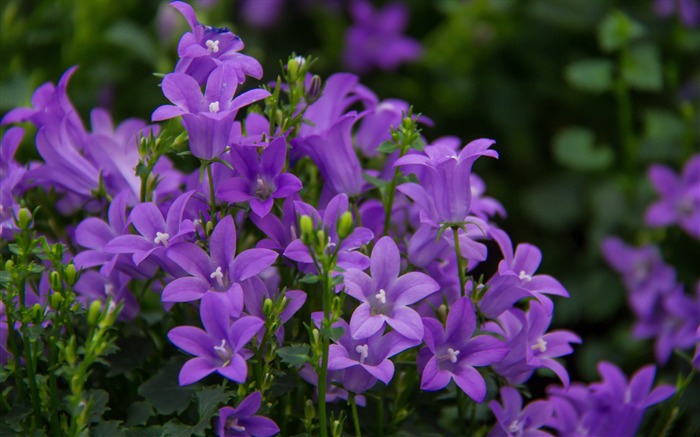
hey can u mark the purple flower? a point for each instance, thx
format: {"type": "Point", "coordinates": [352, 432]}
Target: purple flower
{"type": "Point", "coordinates": [220, 346]}
{"type": "Point", "coordinates": [207, 47]}
{"type": "Point", "coordinates": [240, 421]}
{"type": "Point", "coordinates": [444, 194]}
{"type": "Point", "coordinates": [93, 285]}
{"type": "Point", "coordinates": [262, 179]}
{"type": "Point", "coordinates": [452, 352]}
{"type": "Point", "coordinates": [376, 40]}
{"type": "Point", "coordinates": [220, 271]}
{"type": "Point", "coordinates": [366, 360]}
{"type": "Point", "coordinates": [11, 181]}
{"type": "Point", "coordinates": [261, 15]}
{"type": "Point", "coordinates": [514, 421]}
{"type": "Point", "coordinates": [255, 291]}
{"type": "Point", "coordinates": [386, 296]}
{"type": "Point", "coordinates": [688, 10]}
{"type": "Point", "coordinates": [207, 117]}
{"type": "Point", "coordinates": [696, 357]}
{"type": "Point", "coordinates": [680, 197]}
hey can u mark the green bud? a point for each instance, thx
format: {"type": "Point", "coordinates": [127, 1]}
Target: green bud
{"type": "Point", "coordinates": [293, 66]}
{"type": "Point", "coordinates": [321, 240]}
{"type": "Point", "coordinates": [306, 227]}
{"type": "Point", "coordinates": [337, 428]}
{"type": "Point", "coordinates": [314, 91]}
{"type": "Point", "coordinates": [70, 274]}
{"type": "Point", "coordinates": [309, 410]}
{"type": "Point", "coordinates": [110, 316]}
{"type": "Point", "coordinates": [56, 299]}
{"type": "Point", "coordinates": [24, 218]}
{"type": "Point", "coordinates": [9, 264]}
{"type": "Point", "coordinates": [267, 307]}
{"type": "Point", "coordinates": [209, 227]}
{"type": "Point", "coordinates": [316, 336]}
{"type": "Point", "coordinates": [70, 351]}
{"type": "Point", "coordinates": [94, 311]}
{"type": "Point", "coordinates": [336, 306]}
{"type": "Point", "coordinates": [37, 311]}
{"type": "Point", "coordinates": [274, 326]}
{"type": "Point", "coordinates": [75, 384]}
{"type": "Point", "coordinates": [55, 281]}
{"type": "Point", "coordinates": [345, 224]}
{"type": "Point", "coordinates": [442, 312]}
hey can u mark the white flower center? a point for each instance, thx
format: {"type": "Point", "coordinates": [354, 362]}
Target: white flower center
{"type": "Point", "coordinates": [363, 350]}
{"type": "Point", "coordinates": [515, 427]}
{"type": "Point", "coordinates": [218, 275]}
{"type": "Point", "coordinates": [109, 289]}
{"type": "Point", "coordinates": [233, 425]}
{"type": "Point", "coordinates": [524, 276]}
{"type": "Point", "coordinates": [212, 46]}
{"type": "Point", "coordinates": [214, 107]}
{"type": "Point", "coordinates": [541, 345]}
{"type": "Point", "coordinates": [452, 354]}
{"type": "Point", "coordinates": [161, 238]}
{"type": "Point", "coordinates": [223, 352]}
{"type": "Point", "coordinates": [381, 296]}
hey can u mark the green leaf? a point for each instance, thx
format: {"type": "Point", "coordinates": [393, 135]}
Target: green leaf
{"type": "Point", "coordinates": [295, 355]}
{"type": "Point", "coordinates": [139, 413]}
{"type": "Point", "coordinates": [309, 279]}
{"type": "Point", "coordinates": [151, 431]}
{"type": "Point", "coordinates": [617, 30]}
{"type": "Point", "coordinates": [388, 147]}
{"type": "Point", "coordinates": [209, 399]}
{"type": "Point", "coordinates": [642, 68]}
{"type": "Point", "coordinates": [333, 333]}
{"type": "Point", "coordinates": [163, 390]}
{"type": "Point", "coordinates": [110, 428]}
{"type": "Point", "coordinates": [573, 147]}
{"type": "Point", "coordinates": [99, 399]}
{"type": "Point", "coordinates": [381, 183]}
{"type": "Point", "coordinates": [176, 429]}
{"type": "Point", "coordinates": [592, 75]}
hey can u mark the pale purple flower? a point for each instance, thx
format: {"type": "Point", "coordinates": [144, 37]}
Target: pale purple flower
{"type": "Point", "coordinates": [93, 285]}
{"type": "Point", "coordinates": [262, 15]}
{"type": "Point", "coordinates": [262, 178]}
{"type": "Point", "coordinates": [255, 291]}
{"type": "Point", "coordinates": [386, 296]}
{"type": "Point", "coordinates": [207, 47]}
{"type": "Point", "coordinates": [220, 346]}
{"type": "Point", "coordinates": [453, 354]}
{"type": "Point", "coordinates": [207, 117]}
{"type": "Point", "coordinates": [242, 421]}
{"type": "Point", "coordinates": [514, 421]}
{"type": "Point", "coordinates": [680, 197]}
{"type": "Point", "coordinates": [376, 39]}
{"type": "Point", "coordinates": [221, 271]}
{"type": "Point", "coordinates": [688, 10]}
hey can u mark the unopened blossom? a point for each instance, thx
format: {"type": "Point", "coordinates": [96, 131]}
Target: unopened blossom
{"type": "Point", "coordinates": [208, 118]}
{"type": "Point", "coordinates": [514, 421]}
{"type": "Point", "coordinates": [222, 270]}
{"type": "Point", "coordinates": [242, 421]}
{"type": "Point", "coordinates": [262, 179]}
{"type": "Point", "coordinates": [680, 196]}
{"type": "Point", "coordinates": [376, 38]}
{"type": "Point", "coordinates": [453, 354]}
{"type": "Point", "coordinates": [220, 346]}
{"type": "Point", "coordinates": [206, 47]}
{"type": "Point", "coordinates": [385, 296]}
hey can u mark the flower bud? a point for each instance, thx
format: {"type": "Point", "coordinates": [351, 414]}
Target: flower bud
{"type": "Point", "coordinates": [293, 66]}
{"type": "Point", "coordinates": [345, 224]}
{"type": "Point", "coordinates": [110, 316]}
{"type": "Point", "coordinates": [24, 218]}
{"type": "Point", "coordinates": [94, 311]}
{"type": "Point", "coordinates": [55, 281]}
{"type": "Point", "coordinates": [70, 351]}
{"type": "Point", "coordinates": [267, 307]}
{"type": "Point", "coordinates": [37, 311]}
{"type": "Point", "coordinates": [9, 264]}
{"type": "Point", "coordinates": [309, 410]}
{"type": "Point", "coordinates": [306, 227]}
{"type": "Point", "coordinates": [70, 274]}
{"type": "Point", "coordinates": [337, 428]}
{"type": "Point", "coordinates": [314, 91]}
{"type": "Point", "coordinates": [316, 336]}
{"type": "Point", "coordinates": [56, 299]}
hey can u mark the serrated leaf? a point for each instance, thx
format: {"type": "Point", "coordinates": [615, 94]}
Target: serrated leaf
{"type": "Point", "coordinates": [574, 148]}
{"type": "Point", "coordinates": [139, 413]}
{"type": "Point", "coordinates": [592, 75]}
{"type": "Point", "coordinates": [617, 30]}
{"type": "Point", "coordinates": [295, 355]}
{"type": "Point", "coordinates": [176, 429]}
{"type": "Point", "coordinates": [209, 398]}
{"type": "Point", "coordinates": [333, 333]}
{"type": "Point", "coordinates": [388, 147]}
{"type": "Point", "coordinates": [99, 399]}
{"type": "Point", "coordinates": [642, 68]}
{"type": "Point", "coordinates": [110, 428]}
{"type": "Point", "coordinates": [163, 390]}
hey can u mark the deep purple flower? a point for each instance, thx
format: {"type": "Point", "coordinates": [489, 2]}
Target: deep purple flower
{"type": "Point", "coordinates": [220, 346]}
{"type": "Point", "coordinates": [255, 291]}
{"type": "Point", "coordinates": [514, 421]}
{"type": "Point", "coordinates": [376, 39]}
{"type": "Point", "coordinates": [262, 179]}
{"type": "Point", "coordinates": [347, 254]}
{"type": "Point", "coordinates": [11, 181]}
{"type": "Point", "coordinates": [207, 117]}
{"type": "Point", "coordinates": [452, 352]}
{"type": "Point", "coordinates": [207, 47]}
{"type": "Point", "coordinates": [220, 271]}
{"type": "Point", "coordinates": [386, 296]}
{"type": "Point", "coordinates": [444, 194]}
{"type": "Point", "coordinates": [680, 197]}
{"type": "Point", "coordinates": [241, 421]}
{"type": "Point", "coordinates": [92, 285]}
{"type": "Point", "coordinates": [279, 231]}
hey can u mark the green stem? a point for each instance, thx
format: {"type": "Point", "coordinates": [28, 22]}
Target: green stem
{"type": "Point", "coordinates": [461, 413]}
{"type": "Point", "coordinates": [212, 197]}
{"type": "Point", "coordinates": [460, 260]}
{"type": "Point", "coordinates": [33, 391]}
{"type": "Point", "coordinates": [323, 371]}
{"type": "Point", "coordinates": [53, 388]}
{"type": "Point", "coordinates": [355, 418]}
{"type": "Point", "coordinates": [380, 414]}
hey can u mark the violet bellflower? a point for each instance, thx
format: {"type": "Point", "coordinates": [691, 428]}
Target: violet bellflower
{"type": "Point", "coordinates": [515, 421]}
{"type": "Point", "coordinates": [207, 47]}
{"type": "Point", "coordinates": [220, 346]}
{"type": "Point", "coordinates": [220, 271]}
{"type": "Point", "coordinates": [385, 296]}
{"type": "Point", "coordinates": [444, 194]}
{"type": "Point", "coordinates": [93, 285]}
{"type": "Point", "coordinates": [376, 39]}
{"type": "Point", "coordinates": [241, 421]}
{"type": "Point", "coordinates": [11, 181]}
{"type": "Point", "coordinates": [680, 197]}
{"type": "Point", "coordinates": [453, 354]}
{"type": "Point", "coordinates": [255, 291]}
{"type": "Point", "coordinates": [366, 360]}
{"type": "Point", "coordinates": [262, 180]}
{"type": "Point", "coordinates": [208, 118]}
